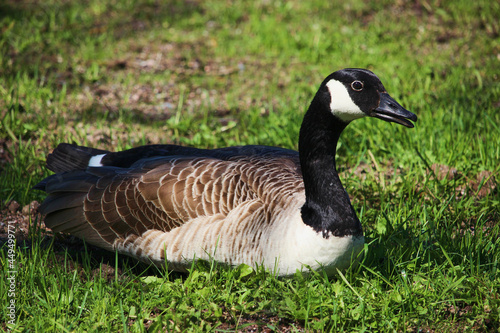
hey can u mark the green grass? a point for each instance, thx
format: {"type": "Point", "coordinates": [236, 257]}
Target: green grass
{"type": "Point", "coordinates": [119, 74]}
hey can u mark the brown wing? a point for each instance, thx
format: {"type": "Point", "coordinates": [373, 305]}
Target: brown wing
{"type": "Point", "coordinates": [104, 204]}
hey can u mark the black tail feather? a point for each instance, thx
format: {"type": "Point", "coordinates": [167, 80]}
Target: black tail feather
{"type": "Point", "coordinates": [69, 157]}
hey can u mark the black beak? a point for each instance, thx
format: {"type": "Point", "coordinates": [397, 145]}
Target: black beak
{"type": "Point", "coordinates": [390, 110]}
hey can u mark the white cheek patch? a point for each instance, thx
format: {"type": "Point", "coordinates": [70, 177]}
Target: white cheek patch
{"type": "Point", "coordinates": [95, 161]}
{"type": "Point", "coordinates": [341, 105]}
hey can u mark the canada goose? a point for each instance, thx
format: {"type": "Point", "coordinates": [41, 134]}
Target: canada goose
{"type": "Point", "coordinates": [253, 204]}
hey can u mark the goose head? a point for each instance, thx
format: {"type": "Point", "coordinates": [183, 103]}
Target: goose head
{"type": "Point", "coordinates": [355, 93]}
{"type": "Point", "coordinates": [344, 96]}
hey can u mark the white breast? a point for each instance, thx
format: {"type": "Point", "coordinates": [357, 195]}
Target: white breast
{"type": "Point", "coordinates": [299, 246]}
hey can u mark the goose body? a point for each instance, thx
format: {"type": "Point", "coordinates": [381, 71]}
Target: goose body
{"type": "Point", "coordinates": [269, 206]}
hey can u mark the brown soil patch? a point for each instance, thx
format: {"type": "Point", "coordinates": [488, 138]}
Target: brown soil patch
{"type": "Point", "coordinates": [479, 185]}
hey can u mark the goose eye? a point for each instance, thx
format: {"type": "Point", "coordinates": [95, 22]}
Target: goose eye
{"type": "Point", "coordinates": [357, 85]}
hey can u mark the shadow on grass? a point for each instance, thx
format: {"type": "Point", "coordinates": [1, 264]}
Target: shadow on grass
{"type": "Point", "coordinates": [66, 26]}
{"type": "Point", "coordinates": [438, 246]}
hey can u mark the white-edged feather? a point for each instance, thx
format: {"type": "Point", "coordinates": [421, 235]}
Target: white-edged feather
{"type": "Point", "coordinates": [288, 244]}
{"type": "Point", "coordinates": [95, 161]}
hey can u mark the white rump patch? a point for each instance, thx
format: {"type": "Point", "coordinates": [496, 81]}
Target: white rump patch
{"type": "Point", "coordinates": [95, 161]}
{"type": "Point", "coordinates": [342, 105]}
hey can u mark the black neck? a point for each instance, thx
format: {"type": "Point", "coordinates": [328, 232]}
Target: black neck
{"type": "Point", "coordinates": [327, 208]}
